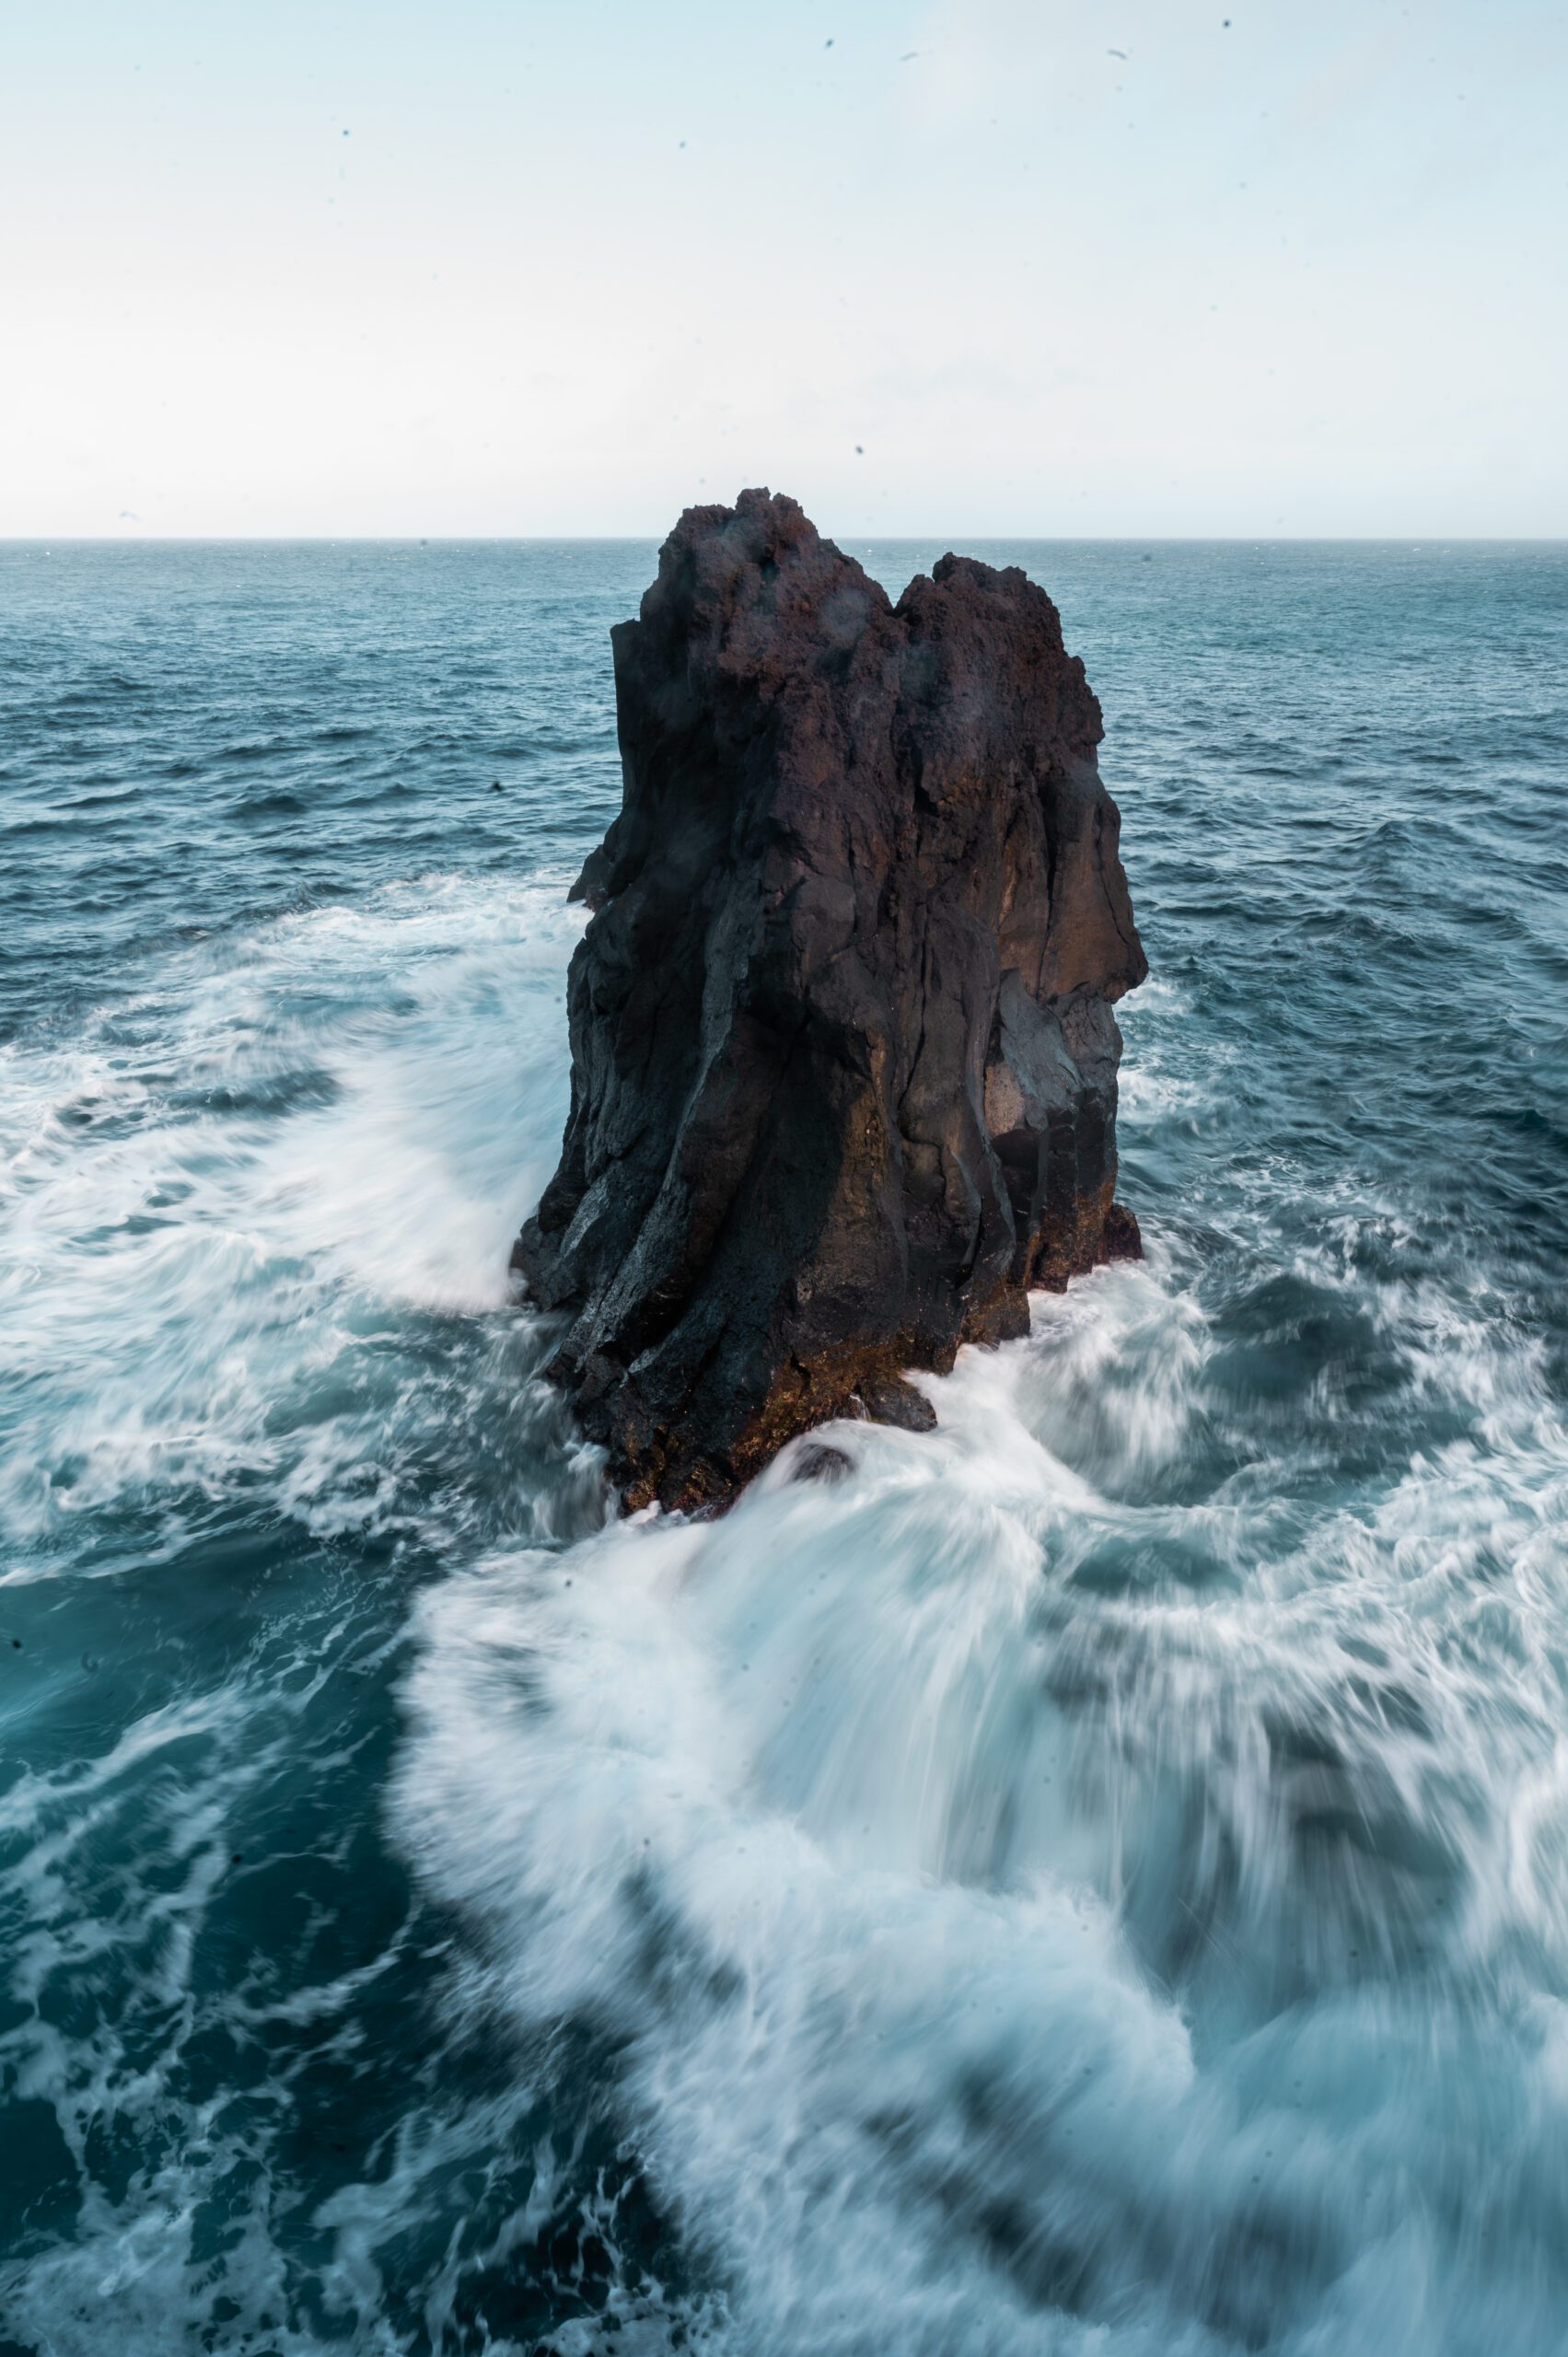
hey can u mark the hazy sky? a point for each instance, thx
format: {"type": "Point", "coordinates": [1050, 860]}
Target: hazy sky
{"type": "Point", "coordinates": [490, 266]}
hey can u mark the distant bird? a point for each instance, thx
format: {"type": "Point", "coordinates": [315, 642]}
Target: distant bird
{"type": "Point", "coordinates": [860, 449]}
{"type": "Point", "coordinates": [907, 55]}
{"type": "Point", "coordinates": [683, 143]}
{"type": "Point", "coordinates": [1119, 52]}
{"type": "Point", "coordinates": [494, 785]}
{"type": "Point", "coordinates": [827, 44]}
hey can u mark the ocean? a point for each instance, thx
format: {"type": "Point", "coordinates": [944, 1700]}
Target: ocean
{"type": "Point", "coordinates": [1096, 1879]}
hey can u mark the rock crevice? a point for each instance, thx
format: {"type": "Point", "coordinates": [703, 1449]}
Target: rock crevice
{"type": "Point", "coordinates": [843, 1060]}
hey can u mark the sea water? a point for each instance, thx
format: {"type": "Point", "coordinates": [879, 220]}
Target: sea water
{"type": "Point", "coordinates": [1093, 1880]}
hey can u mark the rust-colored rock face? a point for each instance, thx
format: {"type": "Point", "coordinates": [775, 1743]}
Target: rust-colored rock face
{"type": "Point", "coordinates": [843, 1062]}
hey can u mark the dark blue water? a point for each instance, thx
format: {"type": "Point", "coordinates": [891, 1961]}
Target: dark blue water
{"type": "Point", "coordinates": [1094, 1881]}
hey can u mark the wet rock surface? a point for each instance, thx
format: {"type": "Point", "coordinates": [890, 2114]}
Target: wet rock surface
{"type": "Point", "coordinates": [843, 1059]}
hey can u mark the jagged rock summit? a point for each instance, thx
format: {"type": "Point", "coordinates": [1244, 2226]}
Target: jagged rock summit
{"type": "Point", "coordinates": [843, 1061]}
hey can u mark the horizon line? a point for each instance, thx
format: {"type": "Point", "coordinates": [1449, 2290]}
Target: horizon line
{"type": "Point", "coordinates": [609, 540]}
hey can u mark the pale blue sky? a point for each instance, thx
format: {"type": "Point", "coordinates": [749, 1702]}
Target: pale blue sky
{"type": "Point", "coordinates": [1299, 273]}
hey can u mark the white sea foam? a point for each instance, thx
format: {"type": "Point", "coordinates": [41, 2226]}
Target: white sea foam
{"type": "Point", "coordinates": [1095, 1879]}
{"type": "Point", "coordinates": [1031, 1919]}
{"type": "Point", "coordinates": [215, 1199]}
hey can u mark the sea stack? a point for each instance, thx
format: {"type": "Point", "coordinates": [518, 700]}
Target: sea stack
{"type": "Point", "coordinates": [843, 1060]}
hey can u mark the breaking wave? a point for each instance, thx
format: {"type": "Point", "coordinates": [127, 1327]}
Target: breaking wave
{"type": "Point", "coordinates": [1091, 1879]}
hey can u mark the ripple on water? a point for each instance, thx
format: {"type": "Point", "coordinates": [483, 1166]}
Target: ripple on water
{"type": "Point", "coordinates": [1092, 1878]}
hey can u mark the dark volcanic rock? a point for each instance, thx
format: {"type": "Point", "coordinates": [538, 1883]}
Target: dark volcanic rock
{"type": "Point", "coordinates": [843, 1062]}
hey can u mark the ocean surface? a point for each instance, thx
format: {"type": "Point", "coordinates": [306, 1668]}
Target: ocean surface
{"type": "Point", "coordinates": [1096, 1881]}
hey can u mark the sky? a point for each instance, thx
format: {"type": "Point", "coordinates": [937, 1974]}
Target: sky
{"type": "Point", "coordinates": [1116, 267]}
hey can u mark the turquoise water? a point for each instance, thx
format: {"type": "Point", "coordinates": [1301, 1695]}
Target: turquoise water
{"type": "Point", "coordinates": [1096, 1880]}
